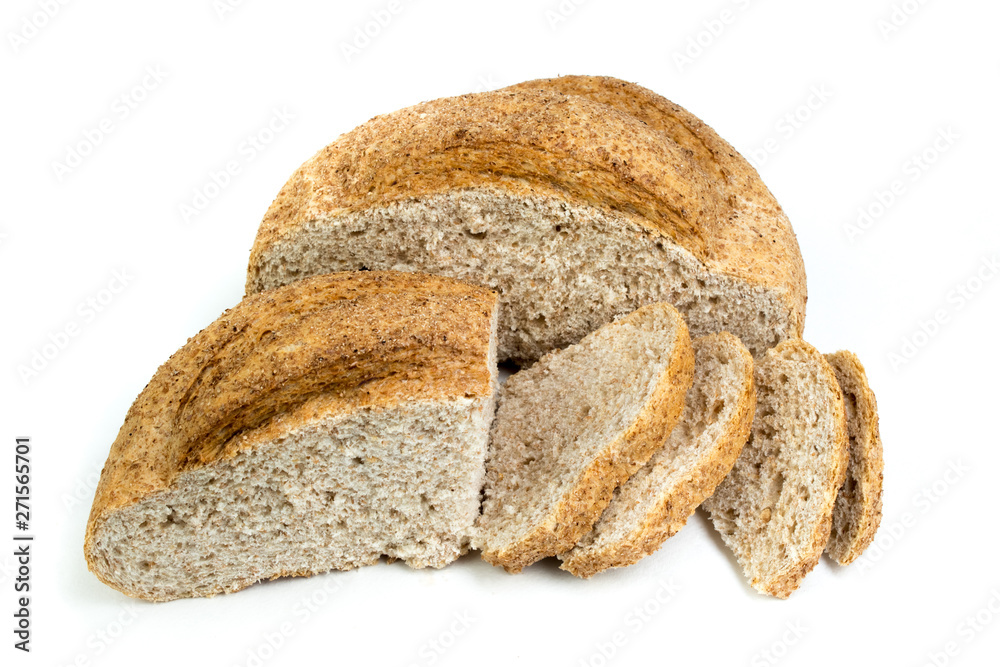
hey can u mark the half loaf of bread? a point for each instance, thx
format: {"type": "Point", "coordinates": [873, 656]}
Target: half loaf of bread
{"type": "Point", "coordinates": [574, 426]}
{"type": "Point", "coordinates": [656, 501]}
{"type": "Point", "coordinates": [858, 511]}
{"type": "Point", "coordinates": [578, 199]}
{"type": "Point", "coordinates": [313, 427]}
{"type": "Point", "coordinates": [775, 508]}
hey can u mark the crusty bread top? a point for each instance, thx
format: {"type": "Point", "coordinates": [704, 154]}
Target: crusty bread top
{"type": "Point", "coordinates": [592, 141]}
{"type": "Point", "coordinates": [347, 339]}
{"type": "Point", "coordinates": [756, 242]}
{"type": "Point", "coordinates": [533, 142]}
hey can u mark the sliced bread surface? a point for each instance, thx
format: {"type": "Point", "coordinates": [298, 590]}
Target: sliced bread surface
{"type": "Point", "coordinates": [578, 199]}
{"type": "Point", "coordinates": [656, 501]}
{"type": "Point", "coordinates": [575, 425]}
{"type": "Point", "coordinates": [313, 427]}
{"type": "Point", "coordinates": [775, 508]}
{"type": "Point", "coordinates": [858, 511]}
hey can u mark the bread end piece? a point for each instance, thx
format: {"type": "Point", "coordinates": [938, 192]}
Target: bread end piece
{"type": "Point", "coordinates": [858, 511]}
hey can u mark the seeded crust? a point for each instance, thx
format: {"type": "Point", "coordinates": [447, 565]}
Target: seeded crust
{"type": "Point", "coordinates": [575, 513]}
{"type": "Point", "coordinates": [655, 503]}
{"type": "Point", "coordinates": [600, 151]}
{"type": "Point", "coordinates": [336, 344]}
{"type": "Point", "coordinates": [858, 511]}
{"type": "Point", "coordinates": [775, 508]}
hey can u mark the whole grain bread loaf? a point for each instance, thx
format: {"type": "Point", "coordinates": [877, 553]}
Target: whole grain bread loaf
{"type": "Point", "coordinates": [317, 426]}
{"type": "Point", "coordinates": [578, 199]}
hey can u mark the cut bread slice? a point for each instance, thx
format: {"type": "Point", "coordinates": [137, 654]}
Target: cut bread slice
{"type": "Point", "coordinates": [775, 508]}
{"type": "Point", "coordinates": [579, 199]}
{"type": "Point", "coordinates": [858, 511]}
{"type": "Point", "coordinates": [574, 426]}
{"type": "Point", "coordinates": [318, 426]}
{"type": "Point", "coordinates": [656, 502]}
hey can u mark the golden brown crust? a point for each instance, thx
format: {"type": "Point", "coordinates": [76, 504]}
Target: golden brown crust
{"type": "Point", "coordinates": [865, 456]}
{"type": "Point", "coordinates": [345, 340]}
{"type": "Point", "coordinates": [589, 141]}
{"type": "Point", "coordinates": [673, 510]}
{"type": "Point", "coordinates": [754, 241]}
{"type": "Point", "coordinates": [576, 514]}
{"type": "Point", "coordinates": [530, 142]}
{"type": "Point", "coordinates": [785, 583]}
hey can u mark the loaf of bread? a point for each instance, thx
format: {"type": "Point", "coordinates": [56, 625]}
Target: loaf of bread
{"type": "Point", "coordinates": [775, 508]}
{"type": "Point", "coordinates": [573, 427]}
{"type": "Point", "coordinates": [657, 501]}
{"type": "Point", "coordinates": [578, 199]}
{"type": "Point", "coordinates": [347, 408]}
{"type": "Point", "coordinates": [313, 427]}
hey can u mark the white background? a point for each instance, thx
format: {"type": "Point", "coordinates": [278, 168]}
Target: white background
{"type": "Point", "coordinates": [883, 97]}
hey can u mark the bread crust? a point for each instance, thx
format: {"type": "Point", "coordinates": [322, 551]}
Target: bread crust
{"type": "Point", "coordinates": [865, 460]}
{"type": "Point", "coordinates": [575, 515]}
{"type": "Point", "coordinates": [587, 141]}
{"type": "Point", "coordinates": [755, 242]}
{"type": "Point", "coordinates": [674, 508]}
{"type": "Point", "coordinates": [339, 341]}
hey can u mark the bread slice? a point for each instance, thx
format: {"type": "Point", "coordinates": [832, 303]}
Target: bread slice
{"type": "Point", "coordinates": [574, 426]}
{"type": "Point", "coordinates": [775, 508]}
{"type": "Point", "coordinates": [858, 511]}
{"type": "Point", "coordinates": [579, 199]}
{"type": "Point", "coordinates": [656, 502]}
{"type": "Point", "coordinates": [317, 426]}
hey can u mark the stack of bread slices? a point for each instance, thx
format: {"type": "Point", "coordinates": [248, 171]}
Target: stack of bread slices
{"type": "Point", "coordinates": [602, 238]}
